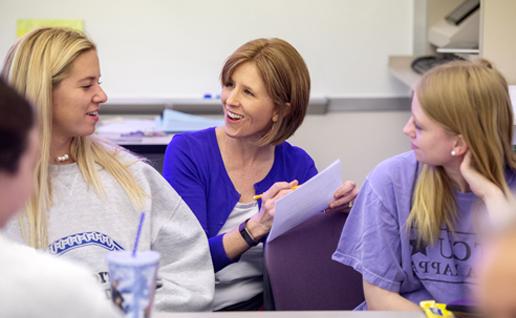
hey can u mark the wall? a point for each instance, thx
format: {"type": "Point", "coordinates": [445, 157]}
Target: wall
{"type": "Point", "coordinates": [360, 139]}
{"type": "Point", "coordinates": [175, 48]}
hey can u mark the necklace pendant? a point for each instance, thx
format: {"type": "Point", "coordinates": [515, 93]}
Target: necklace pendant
{"type": "Point", "coordinates": [63, 158]}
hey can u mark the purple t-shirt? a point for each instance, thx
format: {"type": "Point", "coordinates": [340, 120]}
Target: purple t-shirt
{"type": "Point", "coordinates": [376, 242]}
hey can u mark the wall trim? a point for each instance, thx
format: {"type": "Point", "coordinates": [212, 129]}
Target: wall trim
{"type": "Point", "coordinates": [369, 104]}
{"type": "Point", "coordinates": [320, 105]}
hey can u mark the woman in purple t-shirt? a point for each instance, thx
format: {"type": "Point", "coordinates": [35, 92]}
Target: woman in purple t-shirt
{"type": "Point", "coordinates": [412, 231]}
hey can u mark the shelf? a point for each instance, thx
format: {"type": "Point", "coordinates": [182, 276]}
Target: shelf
{"type": "Point", "coordinates": [399, 66]}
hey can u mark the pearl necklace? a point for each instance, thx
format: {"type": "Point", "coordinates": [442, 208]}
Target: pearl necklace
{"type": "Point", "coordinates": [63, 158]}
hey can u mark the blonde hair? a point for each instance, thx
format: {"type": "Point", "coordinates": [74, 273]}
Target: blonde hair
{"type": "Point", "coordinates": [286, 80]}
{"type": "Point", "coordinates": [470, 99]}
{"type": "Point", "coordinates": [36, 64]}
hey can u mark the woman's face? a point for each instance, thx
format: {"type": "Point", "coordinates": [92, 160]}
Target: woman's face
{"type": "Point", "coordinates": [248, 109]}
{"type": "Point", "coordinates": [17, 187]}
{"type": "Point", "coordinates": [77, 98]}
{"type": "Point", "coordinates": [431, 142]}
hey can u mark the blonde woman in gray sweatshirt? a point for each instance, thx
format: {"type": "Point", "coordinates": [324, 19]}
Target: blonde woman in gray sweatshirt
{"type": "Point", "coordinates": [88, 194]}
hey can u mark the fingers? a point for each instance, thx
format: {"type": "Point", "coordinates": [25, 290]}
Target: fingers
{"type": "Point", "coordinates": [344, 189]}
{"type": "Point", "coordinates": [293, 183]}
{"type": "Point", "coordinates": [270, 204]}
{"type": "Point", "coordinates": [345, 207]}
{"type": "Point", "coordinates": [466, 168]}
{"type": "Point", "coordinates": [344, 195]}
{"type": "Point", "coordinates": [273, 191]}
{"type": "Point", "coordinates": [466, 161]}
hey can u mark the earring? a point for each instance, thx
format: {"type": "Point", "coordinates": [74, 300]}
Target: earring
{"type": "Point", "coordinates": [453, 153]}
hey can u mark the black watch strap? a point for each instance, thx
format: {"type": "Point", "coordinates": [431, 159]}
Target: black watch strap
{"type": "Point", "coordinates": [245, 234]}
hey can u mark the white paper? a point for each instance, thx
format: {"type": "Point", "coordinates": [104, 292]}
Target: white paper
{"type": "Point", "coordinates": [120, 125]}
{"type": "Point", "coordinates": [309, 199]}
{"type": "Point", "coordinates": [172, 121]}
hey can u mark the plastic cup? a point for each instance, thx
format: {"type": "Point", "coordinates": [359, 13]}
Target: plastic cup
{"type": "Point", "coordinates": [133, 281]}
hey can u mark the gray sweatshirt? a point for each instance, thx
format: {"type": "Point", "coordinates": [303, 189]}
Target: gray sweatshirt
{"type": "Point", "coordinates": [85, 226]}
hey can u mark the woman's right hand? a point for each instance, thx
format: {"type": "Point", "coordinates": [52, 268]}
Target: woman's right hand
{"type": "Point", "coordinates": [260, 224]}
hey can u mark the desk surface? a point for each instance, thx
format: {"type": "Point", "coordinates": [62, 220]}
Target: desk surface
{"type": "Point", "coordinates": [122, 141]}
{"type": "Point", "coordinates": [294, 314]}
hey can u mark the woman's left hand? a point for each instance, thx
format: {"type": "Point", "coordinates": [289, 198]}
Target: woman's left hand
{"type": "Point", "coordinates": [479, 185]}
{"type": "Point", "coordinates": [343, 197]}
{"type": "Point", "coordinates": [500, 206]}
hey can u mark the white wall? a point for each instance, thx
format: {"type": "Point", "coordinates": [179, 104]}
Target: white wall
{"type": "Point", "coordinates": [175, 48]}
{"type": "Point", "coordinates": [360, 139]}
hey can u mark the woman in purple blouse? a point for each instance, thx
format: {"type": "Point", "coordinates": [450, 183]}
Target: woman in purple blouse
{"type": "Point", "coordinates": [218, 171]}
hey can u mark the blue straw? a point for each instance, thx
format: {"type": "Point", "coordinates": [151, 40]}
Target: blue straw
{"type": "Point", "coordinates": [135, 246]}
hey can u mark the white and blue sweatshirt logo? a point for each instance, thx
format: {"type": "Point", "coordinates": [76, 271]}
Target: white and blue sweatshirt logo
{"type": "Point", "coordinates": [77, 240]}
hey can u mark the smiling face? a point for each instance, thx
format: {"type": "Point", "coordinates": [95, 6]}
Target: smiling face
{"type": "Point", "coordinates": [431, 142]}
{"type": "Point", "coordinates": [77, 98]}
{"type": "Point", "coordinates": [248, 109]}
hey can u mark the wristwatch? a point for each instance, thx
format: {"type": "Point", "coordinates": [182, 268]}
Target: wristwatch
{"type": "Point", "coordinates": [248, 238]}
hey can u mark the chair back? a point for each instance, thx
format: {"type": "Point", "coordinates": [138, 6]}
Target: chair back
{"type": "Point", "coordinates": [301, 273]}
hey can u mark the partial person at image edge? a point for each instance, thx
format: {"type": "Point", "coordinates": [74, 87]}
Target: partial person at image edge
{"type": "Point", "coordinates": [35, 284]}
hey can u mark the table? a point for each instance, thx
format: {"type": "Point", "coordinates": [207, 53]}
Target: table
{"type": "Point", "coordinates": [294, 314]}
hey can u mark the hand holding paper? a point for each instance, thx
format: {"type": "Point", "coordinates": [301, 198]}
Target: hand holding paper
{"type": "Point", "coordinates": [309, 199]}
{"type": "Point", "coordinates": [343, 197]}
{"type": "Point", "coordinates": [260, 224]}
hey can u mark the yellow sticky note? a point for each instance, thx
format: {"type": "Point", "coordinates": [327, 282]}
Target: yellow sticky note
{"type": "Point", "coordinates": [432, 309]}
{"type": "Point", "coordinates": [24, 26]}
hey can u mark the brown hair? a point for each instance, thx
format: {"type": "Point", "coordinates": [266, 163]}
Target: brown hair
{"type": "Point", "coordinates": [16, 121]}
{"type": "Point", "coordinates": [286, 80]}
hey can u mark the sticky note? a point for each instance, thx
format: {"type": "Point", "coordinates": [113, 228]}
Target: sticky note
{"type": "Point", "coordinates": [24, 26]}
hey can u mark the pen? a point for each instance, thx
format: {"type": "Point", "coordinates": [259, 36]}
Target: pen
{"type": "Point", "coordinates": [259, 196]}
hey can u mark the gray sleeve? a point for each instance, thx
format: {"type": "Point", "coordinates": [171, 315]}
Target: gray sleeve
{"type": "Point", "coordinates": [186, 271]}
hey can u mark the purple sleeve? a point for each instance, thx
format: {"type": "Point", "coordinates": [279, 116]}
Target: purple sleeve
{"type": "Point", "coordinates": [370, 241]}
{"type": "Point", "coordinates": [310, 172]}
{"type": "Point", "coordinates": [182, 172]}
